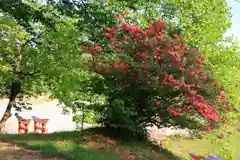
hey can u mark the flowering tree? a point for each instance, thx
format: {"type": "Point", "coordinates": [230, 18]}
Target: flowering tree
{"type": "Point", "coordinates": [150, 74]}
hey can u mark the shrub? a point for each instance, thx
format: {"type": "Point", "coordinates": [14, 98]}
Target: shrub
{"type": "Point", "coordinates": [153, 77]}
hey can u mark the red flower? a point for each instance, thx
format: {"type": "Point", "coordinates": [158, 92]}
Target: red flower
{"type": "Point", "coordinates": [115, 66]}
{"type": "Point", "coordinates": [98, 47]}
{"type": "Point", "coordinates": [108, 29]}
{"type": "Point", "coordinates": [201, 66]}
{"type": "Point", "coordinates": [118, 17]}
{"type": "Point", "coordinates": [158, 57]}
{"type": "Point", "coordinates": [174, 113]}
{"type": "Point", "coordinates": [160, 36]}
{"type": "Point", "coordinates": [130, 157]}
{"type": "Point", "coordinates": [199, 60]}
{"type": "Point", "coordinates": [91, 50]}
{"type": "Point", "coordinates": [125, 26]}
{"type": "Point", "coordinates": [177, 36]}
{"type": "Point", "coordinates": [127, 38]}
{"type": "Point", "coordinates": [193, 93]}
{"type": "Point", "coordinates": [107, 36]}
{"type": "Point", "coordinates": [148, 82]}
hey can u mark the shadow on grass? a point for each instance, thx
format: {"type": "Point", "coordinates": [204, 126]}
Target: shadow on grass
{"type": "Point", "coordinates": [67, 151]}
{"type": "Point", "coordinates": [68, 145]}
{"type": "Point", "coordinates": [72, 153]}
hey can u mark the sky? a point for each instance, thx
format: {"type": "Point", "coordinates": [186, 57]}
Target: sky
{"type": "Point", "coordinates": [235, 30]}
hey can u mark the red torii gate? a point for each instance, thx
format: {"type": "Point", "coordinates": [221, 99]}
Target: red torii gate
{"type": "Point", "coordinates": [39, 124]}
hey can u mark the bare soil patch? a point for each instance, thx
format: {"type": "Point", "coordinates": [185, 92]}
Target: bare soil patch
{"type": "Point", "coordinates": [13, 152]}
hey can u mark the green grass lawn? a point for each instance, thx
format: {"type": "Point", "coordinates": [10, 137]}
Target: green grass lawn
{"type": "Point", "coordinates": [69, 145]}
{"type": "Point", "coordinates": [203, 146]}
{"type": "Point", "coordinates": [74, 146]}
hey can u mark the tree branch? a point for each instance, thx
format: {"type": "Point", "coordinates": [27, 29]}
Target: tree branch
{"type": "Point", "coordinates": [34, 73]}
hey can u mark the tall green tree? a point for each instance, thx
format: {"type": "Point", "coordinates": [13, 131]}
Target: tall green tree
{"type": "Point", "coordinates": [31, 59]}
{"type": "Point", "coordinates": [224, 60]}
{"type": "Point", "coordinates": [27, 12]}
{"type": "Point", "coordinates": [202, 21]}
{"type": "Point", "coordinates": [41, 53]}
{"type": "Point", "coordinates": [56, 28]}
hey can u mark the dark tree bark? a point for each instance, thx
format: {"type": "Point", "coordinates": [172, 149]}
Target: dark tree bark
{"type": "Point", "coordinates": [15, 90]}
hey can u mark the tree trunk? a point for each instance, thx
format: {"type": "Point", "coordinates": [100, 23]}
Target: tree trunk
{"type": "Point", "coordinates": [83, 117]}
{"type": "Point", "coordinates": [15, 89]}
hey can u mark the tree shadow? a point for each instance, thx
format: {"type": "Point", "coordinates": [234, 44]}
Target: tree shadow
{"type": "Point", "coordinates": [59, 151]}
{"type": "Point", "coordinates": [21, 106]}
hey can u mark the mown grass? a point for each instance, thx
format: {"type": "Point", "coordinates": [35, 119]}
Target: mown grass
{"type": "Point", "coordinates": [70, 146]}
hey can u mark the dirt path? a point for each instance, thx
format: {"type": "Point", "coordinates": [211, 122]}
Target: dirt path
{"type": "Point", "coordinates": [13, 152]}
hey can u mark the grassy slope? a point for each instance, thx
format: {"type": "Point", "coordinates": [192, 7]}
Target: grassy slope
{"type": "Point", "coordinates": [69, 145]}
